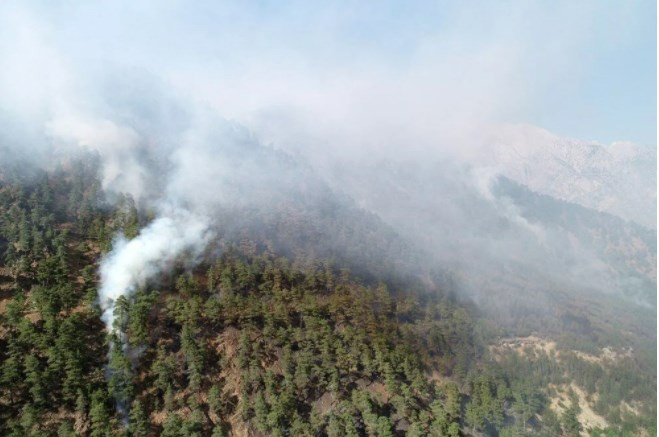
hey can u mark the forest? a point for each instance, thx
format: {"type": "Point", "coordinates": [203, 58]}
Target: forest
{"type": "Point", "coordinates": [267, 336]}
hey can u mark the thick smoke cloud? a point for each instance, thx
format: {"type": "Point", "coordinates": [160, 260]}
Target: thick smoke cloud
{"type": "Point", "coordinates": [132, 263]}
{"type": "Point", "coordinates": [218, 117]}
{"type": "Point", "coordinates": [179, 101]}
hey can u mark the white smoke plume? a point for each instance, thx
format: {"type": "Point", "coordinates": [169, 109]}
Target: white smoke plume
{"type": "Point", "coordinates": [116, 145]}
{"type": "Point", "coordinates": [389, 105]}
{"type": "Point", "coordinates": [132, 263]}
{"type": "Point", "coordinates": [390, 124]}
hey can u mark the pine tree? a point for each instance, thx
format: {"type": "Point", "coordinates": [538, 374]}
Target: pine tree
{"type": "Point", "coordinates": [99, 416]}
{"type": "Point", "coordinates": [215, 400]}
{"type": "Point", "coordinates": [33, 378]}
{"type": "Point", "coordinates": [170, 402]}
{"type": "Point", "coordinates": [66, 429]}
{"type": "Point", "coordinates": [571, 425]}
{"type": "Point", "coordinates": [120, 384]}
{"type": "Point", "coordinates": [139, 421]}
{"type": "Point", "coordinates": [218, 431]}
{"type": "Point", "coordinates": [261, 412]}
{"type": "Point", "coordinates": [172, 426]}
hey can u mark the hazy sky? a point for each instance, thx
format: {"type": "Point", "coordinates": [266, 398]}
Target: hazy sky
{"type": "Point", "coordinates": [583, 69]}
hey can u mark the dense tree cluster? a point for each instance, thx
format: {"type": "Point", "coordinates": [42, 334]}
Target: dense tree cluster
{"type": "Point", "coordinates": [268, 338]}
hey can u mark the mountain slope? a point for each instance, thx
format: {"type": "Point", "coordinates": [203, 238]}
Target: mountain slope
{"type": "Point", "coordinates": [267, 336]}
{"type": "Point", "coordinates": [620, 178]}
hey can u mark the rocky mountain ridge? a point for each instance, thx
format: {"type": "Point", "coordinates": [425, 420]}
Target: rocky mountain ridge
{"type": "Point", "coordinates": [619, 178]}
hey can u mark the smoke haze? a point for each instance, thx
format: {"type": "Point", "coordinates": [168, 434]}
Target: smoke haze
{"type": "Point", "coordinates": [207, 108]}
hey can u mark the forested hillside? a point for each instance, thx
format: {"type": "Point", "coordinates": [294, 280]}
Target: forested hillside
{"type": "Point", "coordinates": [630, 250]}
{"type": "Point", "coordinates": [272, 333]}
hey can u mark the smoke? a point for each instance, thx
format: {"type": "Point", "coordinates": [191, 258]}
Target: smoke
{"type": "Point", "coordinates": [131, 263]}
{"type": "Point", "coordinates": [223, 115]}
{"type": "Point", "coordinates": [115, 144]}
{"type": "Point", "coordinates": [392, 107]}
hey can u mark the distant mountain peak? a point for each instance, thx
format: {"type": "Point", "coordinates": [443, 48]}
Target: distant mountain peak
{"type": "Point", "coordinates": [619, 178]}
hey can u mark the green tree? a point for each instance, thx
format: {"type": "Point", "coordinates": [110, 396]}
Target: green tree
{"type": "Point", "coordinates": [99, 415]}
{"type": "Point", "coordinates": [139, 421]}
